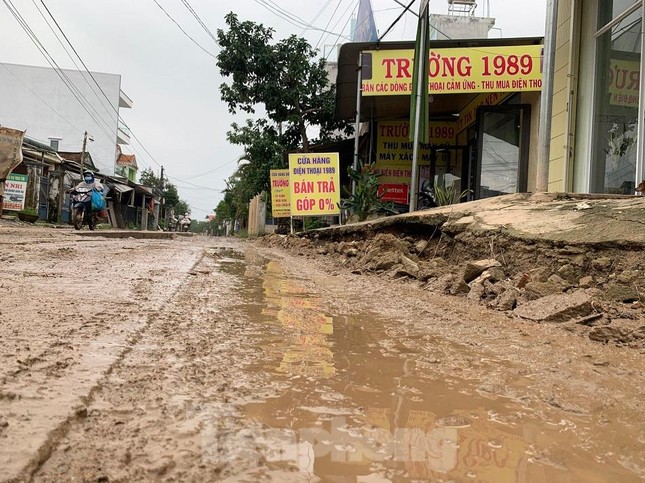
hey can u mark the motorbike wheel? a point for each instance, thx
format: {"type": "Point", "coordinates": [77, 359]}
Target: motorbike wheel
{"type": "Point", "coordinates": [78, 219]}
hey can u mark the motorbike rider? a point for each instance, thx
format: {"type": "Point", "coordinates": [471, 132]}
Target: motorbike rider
{"type": "Point", "coordinates": [185, 222]}
{"type": "Point", "coordinates": [91, 183]}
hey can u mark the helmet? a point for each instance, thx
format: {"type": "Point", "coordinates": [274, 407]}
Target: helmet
{"type": "Point", "coordinates": [185, 214]}
{"type": "Point", "coordinates": [88, 174]}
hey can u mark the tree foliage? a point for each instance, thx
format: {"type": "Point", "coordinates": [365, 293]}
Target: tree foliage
{"type": "Point", "coordinates": [290, 84]}
{"type": "Point", "coordinates": [284, 77]}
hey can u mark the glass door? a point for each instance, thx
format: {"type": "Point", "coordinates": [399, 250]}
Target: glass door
{"type": "Point", "coordinates": [617, 101]}
{"type": "Point", "coordinates": [503, 150]}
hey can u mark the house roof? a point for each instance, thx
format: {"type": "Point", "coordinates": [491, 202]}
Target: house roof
{"type": "Point", "coordinates": [76, 157]}
{"type": "Point", "coordinates": [127, 160]}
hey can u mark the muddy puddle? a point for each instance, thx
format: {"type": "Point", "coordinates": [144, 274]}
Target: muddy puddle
{"type": "Point", "coordinates": [359, 398]}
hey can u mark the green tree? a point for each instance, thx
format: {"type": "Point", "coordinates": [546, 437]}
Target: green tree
{"type": "Point", "coordinates": [148, 178]}
{"type": "Point", "coordinates": [291, 86]}
{"type": "Point", "coordinates": [284, 77]}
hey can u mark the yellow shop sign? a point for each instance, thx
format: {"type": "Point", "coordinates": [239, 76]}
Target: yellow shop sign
{"type": "Point", "coordinates": [456, 70]}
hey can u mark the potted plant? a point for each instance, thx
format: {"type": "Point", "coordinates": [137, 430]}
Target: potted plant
{"type": "Point", "coordinates": [28, 214]}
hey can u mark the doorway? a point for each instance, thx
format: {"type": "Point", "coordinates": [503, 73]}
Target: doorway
{"type": "Point", "coordinates": [502, 151]}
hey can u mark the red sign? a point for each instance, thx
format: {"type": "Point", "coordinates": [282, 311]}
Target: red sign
{"type": "Point", "coordinates": [394, 192]}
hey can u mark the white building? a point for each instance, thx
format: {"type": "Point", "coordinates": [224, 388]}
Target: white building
{"type": "Point", "coordinates": [37, 99]}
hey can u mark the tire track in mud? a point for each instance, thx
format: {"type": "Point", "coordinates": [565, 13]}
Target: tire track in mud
{"type": "Point", "coordinates": [41, 420]}
{"type": "Point", "coordinates": [182, 373]}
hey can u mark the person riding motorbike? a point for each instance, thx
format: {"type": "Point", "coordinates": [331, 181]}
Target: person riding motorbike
{"type": "Point", "coordinates": [185, 222]}
{"type": "Point", "coordinates": [90, 183]}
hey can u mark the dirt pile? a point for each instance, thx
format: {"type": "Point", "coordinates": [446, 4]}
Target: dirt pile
{"type": "Point", "coordinates": [594, 288]}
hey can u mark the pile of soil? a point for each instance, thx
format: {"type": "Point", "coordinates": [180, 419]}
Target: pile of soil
{"type": "Point", "coordinates": [592, 287]}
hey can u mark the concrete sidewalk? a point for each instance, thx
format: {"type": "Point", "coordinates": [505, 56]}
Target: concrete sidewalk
{"type": "Point", "coordinates": [568, 219]}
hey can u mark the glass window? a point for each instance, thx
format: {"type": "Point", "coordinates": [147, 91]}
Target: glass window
{"type": "Point", "coordinates": [618, 67]}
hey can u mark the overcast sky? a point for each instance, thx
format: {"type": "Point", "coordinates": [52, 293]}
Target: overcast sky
{"type": "Point", "coordinates": [178, 115]}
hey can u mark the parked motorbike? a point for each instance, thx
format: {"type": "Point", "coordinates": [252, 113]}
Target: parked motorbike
{"type": "Point", "coordinates": [82, 213]}
{"type": "Point", "coordinates": [427, 197]}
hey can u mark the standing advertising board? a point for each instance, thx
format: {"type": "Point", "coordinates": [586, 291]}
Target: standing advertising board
{"type": "Point", "coordinates": [280, 195]}
{"type": "Point", "coordinates": [14, 192]}
{"type": "Point", "coordinates": [314, 184]}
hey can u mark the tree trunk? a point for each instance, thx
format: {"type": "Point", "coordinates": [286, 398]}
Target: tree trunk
{"type": "Point", "coordinates": [302, 127]}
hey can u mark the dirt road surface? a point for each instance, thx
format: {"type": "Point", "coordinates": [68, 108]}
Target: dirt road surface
{"type": "Point", "coordinates": [210, 359]}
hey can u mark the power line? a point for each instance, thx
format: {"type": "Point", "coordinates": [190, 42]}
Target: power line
{"type": "Point", "coordinates": [328, 22]}
{"type": "Point", "coordinates": [119, 118]}
{"type": "Point", "coordinates": [210, 171]}
{"type": "Point", "coordinates": [317, 16]}
{"type": "Point", "coordinates": [199, 20]}
{"type": "Point", "coordinates": [108, 125]}
{"type": "Point", "coordinates": [344, 26]}
{"type": "Point", "coordinates": [290, 18]}
{"type": "Point", "coordinates": [41, 99]}
{"type": "Point", "coordinates": [181, 28]}
{"type": "Point", "coordinates": [41, 48]}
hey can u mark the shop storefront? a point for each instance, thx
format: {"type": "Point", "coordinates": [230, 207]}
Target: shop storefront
{"type": "Point", "coordinates": [598, 129]}
{"type": "Point", "coordinates": [484, 112]}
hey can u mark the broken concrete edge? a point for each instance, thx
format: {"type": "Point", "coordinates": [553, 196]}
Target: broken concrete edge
{"type": "Point", "coordinates": [141, 235]}
{"type": "Point", "coordinates": [438, 223]}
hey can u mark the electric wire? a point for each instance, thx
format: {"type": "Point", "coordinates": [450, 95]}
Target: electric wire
{"type": "Point", "coordinates": [182, 29]}
{"type": "Point", "coordinates": [344, 26]}
{"type": "Point", "coordinates": [317, 16]}
{"type": "Point", "coordinates": [60, 72]}
{"type": "Point", "coordinates": [41, 99]}
{"type": "Point", "coordinates": [287, 16]}
{"type": "Point", "coordinates": [119, 118]}
{"type": "Point", "coordinates": [199, 20]}
{"type": "Point", "coordinates": [327, 26]}
{"type": "Point", "coordinates": [107, 124]}
{"type": "Point", "coordinates": [209, 171]}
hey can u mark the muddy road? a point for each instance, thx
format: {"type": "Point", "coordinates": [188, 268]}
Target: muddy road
{"type": "Point", "coordinates": [210, 359]}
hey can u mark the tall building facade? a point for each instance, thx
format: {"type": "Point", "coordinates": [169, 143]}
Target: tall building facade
{"type": "Point", "coordinates": [58, 107]}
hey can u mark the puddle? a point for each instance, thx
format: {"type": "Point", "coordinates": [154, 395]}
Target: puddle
{"type": "Point", "coordinates": [350, 400]}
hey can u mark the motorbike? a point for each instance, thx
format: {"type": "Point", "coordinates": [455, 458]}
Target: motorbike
{"type": "Point", "coordinates": [427, 197]}
{"type": "Point", "coordinates": [184, 225]}
{"type": "Point", "coordinates": [82, 213]}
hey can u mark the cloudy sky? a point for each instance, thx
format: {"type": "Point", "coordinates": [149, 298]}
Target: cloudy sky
{"type": "Point", "coordinates": [178, 115]}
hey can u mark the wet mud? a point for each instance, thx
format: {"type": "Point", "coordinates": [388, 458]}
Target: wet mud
{"type": "Point", "coordinates": [208, 359]}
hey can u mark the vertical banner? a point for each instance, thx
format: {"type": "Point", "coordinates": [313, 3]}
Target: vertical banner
{"type": "Point", "coordinates": [14, 192]}
{"type": "Point", "coordinates": [314, 184]}
{"type": "Point", "coordinates": [280, 195]}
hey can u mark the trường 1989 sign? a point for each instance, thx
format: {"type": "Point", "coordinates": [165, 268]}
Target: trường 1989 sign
{"type": "Point", "coordinates": [314, 183]}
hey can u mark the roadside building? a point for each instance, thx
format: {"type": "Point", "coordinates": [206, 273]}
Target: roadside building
{"type": "Point", "coordinates": [484, 111]}
{"type": "Point", "coordinates": [126, 165]}
{"type": "Point", "coordinates": [57, 107]}
{"type": "Point", "coordinates": [598, 126]}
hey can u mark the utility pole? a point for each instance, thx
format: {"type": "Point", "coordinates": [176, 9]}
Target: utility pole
{"type": "Point", "coordinates": [83, 152]}
{"type": "Point", "coordinates": [163, 201]}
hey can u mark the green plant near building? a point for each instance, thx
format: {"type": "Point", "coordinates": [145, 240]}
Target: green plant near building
{"type": "Point", "coordinates": [366, 199]}
{"type": "Point", "coordinates": [28, 211]}
{"type": "Point", "coordinates": [447, 195]}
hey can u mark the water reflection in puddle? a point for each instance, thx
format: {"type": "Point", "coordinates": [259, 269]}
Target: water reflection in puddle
{"type": "Point", "coordinates": [346, 405]}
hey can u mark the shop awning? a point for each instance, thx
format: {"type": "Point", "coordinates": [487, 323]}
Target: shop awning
{"type": "Point", "coordinates": [121, 188]}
